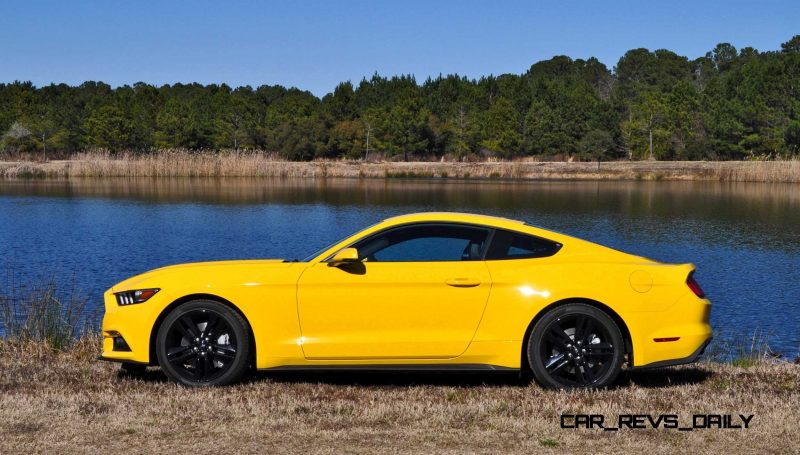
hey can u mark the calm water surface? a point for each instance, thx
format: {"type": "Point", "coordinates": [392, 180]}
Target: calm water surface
{"type": "Point", "coordinates": [90, 234]}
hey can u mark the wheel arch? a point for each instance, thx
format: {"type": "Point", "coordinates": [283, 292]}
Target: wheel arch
{"type": "Point", "coordinates": [623, 327]}
{"type": "Point", "coordinates": [188, 298]}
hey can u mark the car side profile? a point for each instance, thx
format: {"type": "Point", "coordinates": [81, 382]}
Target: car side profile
{"type": "Point", "coordinates": [421, 291]}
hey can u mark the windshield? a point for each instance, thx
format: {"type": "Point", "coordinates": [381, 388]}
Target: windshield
{"type": "Point", "coordinates": [330, 245]}
{"type": "Point", "coordinates": [319, 251]}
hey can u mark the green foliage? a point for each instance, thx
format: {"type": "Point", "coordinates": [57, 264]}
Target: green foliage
{"type": "Point", "coordinates": [792, 137]}
{"type": "Point", "coordinates": [404, 130]}
{"type": "Point", "coordinates": [595, 145]}
{"type": "Point", "coordinates": [501, 129]}
{"type": "Point", "coordinates": [728, 104]}
{"type": "Point", "coordinates": [108, 127]}
{"type": "Point", "coordinates": [348, 139]}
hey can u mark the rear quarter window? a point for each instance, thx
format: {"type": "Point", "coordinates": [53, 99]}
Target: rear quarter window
{"type": "Point", "coordinates": [516, 245]}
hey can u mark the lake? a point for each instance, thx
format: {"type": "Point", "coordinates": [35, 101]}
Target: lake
{"type": "Point", "coordinates": [89, 234]}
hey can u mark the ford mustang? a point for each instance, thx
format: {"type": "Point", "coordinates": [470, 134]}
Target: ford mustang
{"type": "Point", "coordinates": [423, 291]}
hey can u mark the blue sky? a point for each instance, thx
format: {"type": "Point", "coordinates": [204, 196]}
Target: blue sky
{"type": "Point", "coordinates": [316, 44]}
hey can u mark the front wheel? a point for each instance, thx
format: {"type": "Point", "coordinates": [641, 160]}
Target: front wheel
{"type": "Point", "coordinates": [203, 343]}
{"type": "Point", "coordinates": [575, 346]}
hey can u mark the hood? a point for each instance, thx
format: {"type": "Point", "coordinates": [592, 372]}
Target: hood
{"type": "Point", "coordinates": [238, 262]}
{"type": "Point", "coordinates": [195, 270]}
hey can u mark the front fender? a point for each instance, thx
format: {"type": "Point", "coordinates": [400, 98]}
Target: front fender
{"type": "Point", "coordinates": [264, 293]}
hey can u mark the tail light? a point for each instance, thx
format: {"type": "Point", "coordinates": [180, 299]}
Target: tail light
{"type": "Point", "coordinates": [694, 286]}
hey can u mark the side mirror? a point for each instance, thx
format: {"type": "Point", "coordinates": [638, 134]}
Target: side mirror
{"type": "Point", "coordinates": [345, 256]}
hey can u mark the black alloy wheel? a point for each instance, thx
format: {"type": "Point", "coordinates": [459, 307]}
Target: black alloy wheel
{"type": "Point", "coordinates": [575, 346]}
{"type": "Point", "coordinates": [203, 343]}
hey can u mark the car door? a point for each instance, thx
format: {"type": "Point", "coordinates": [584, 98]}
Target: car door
{"type": "Point", "coordinates": [418, 292]}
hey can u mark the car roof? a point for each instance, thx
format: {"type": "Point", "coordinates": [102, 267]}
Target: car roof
{"type": "Point", "coordinates": [450, 216]}
{"type": "Point", "coordinates": [454, 217]}
{"type": "Point", "coordinates": [484, 220]}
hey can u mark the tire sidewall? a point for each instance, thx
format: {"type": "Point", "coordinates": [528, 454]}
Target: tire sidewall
{"type": "Point", "coordinates": [240, 331]}
{"type": "Point", "coordinates": [538, 333]}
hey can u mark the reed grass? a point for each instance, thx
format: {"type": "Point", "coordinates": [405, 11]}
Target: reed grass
{"type": "Point", "coordinates": [182, 163]}
{"type": "Point", "coordinates": [40, 314]}
{"type": "Point", "coordinates": [746, 350]}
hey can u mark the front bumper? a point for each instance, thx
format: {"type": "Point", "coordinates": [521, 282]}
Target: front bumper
{"type": "Point", "coordinates": [131, 323]}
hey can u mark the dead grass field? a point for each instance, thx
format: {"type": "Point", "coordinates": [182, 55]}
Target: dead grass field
{"type": "Point", "coordinates": [233, 164]}
{"type": "Point", "coordinates": [66, 402]}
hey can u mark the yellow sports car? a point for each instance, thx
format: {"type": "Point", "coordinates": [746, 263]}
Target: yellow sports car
{"type": "Point", "coordinates": [424, 291]}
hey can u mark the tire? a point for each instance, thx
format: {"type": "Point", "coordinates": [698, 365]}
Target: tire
{"type": "Point", "coordinates": [203, 343]}
{"type": "Point", "coordinates": [575, 346]}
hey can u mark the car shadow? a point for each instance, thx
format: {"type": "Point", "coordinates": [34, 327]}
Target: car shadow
{"type": "Point", "coordinates": [396, 378]}
{"type": "Point", "coordinates": [361, 378]}
{"type": "Point", "coordinates": [152, 374]}
{"type": "Point", "coordinates": [654, 378]}
{"type": "Point", "coordinates": [664, 377]}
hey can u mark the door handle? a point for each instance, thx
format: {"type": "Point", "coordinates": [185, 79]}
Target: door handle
{"type": "Point", "coordinates": [463, 282]}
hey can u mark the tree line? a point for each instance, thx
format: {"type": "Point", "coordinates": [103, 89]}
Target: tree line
{"type": "Point", "coordinates": [728, 104]}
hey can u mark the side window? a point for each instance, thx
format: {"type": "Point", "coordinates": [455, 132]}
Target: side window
{"type": "Point", "coordinates": [515, 245]}
{"type": "Point", "coordinates": [425, 243]}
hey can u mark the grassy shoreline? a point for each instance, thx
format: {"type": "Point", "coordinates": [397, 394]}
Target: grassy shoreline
{"type": "Point", "coordinates": [65, 401]}
{"type": "Point", "coordinates": [231, 164]}
{"type": "Point", "coordinates": [56, 397]}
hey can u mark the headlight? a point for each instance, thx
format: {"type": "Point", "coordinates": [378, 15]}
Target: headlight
{"type": "Point", "coordinates": [136, 296]}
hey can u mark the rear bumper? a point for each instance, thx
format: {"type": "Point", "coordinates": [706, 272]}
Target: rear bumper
{"type": "Point", "coordinates": [672, 336]}
{"type": "Point", "coordinates": [673, 362]}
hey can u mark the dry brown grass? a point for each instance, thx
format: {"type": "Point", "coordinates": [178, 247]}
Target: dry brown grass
{"type": "Point", "coordinates": [179, 163]}
{"type": "Point", "coordinates": [66, 402]}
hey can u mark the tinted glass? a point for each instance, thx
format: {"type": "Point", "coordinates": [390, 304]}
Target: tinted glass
{"type": "Point", "coordinates": [425, 243]}
{"type": "Point", "coordinates": [513, 245]}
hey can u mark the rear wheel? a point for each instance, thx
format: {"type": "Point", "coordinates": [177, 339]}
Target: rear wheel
{"type": "Point", "coordinates": [575, 346]}
{"type": "Point", "coordinates": [203, 343]}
